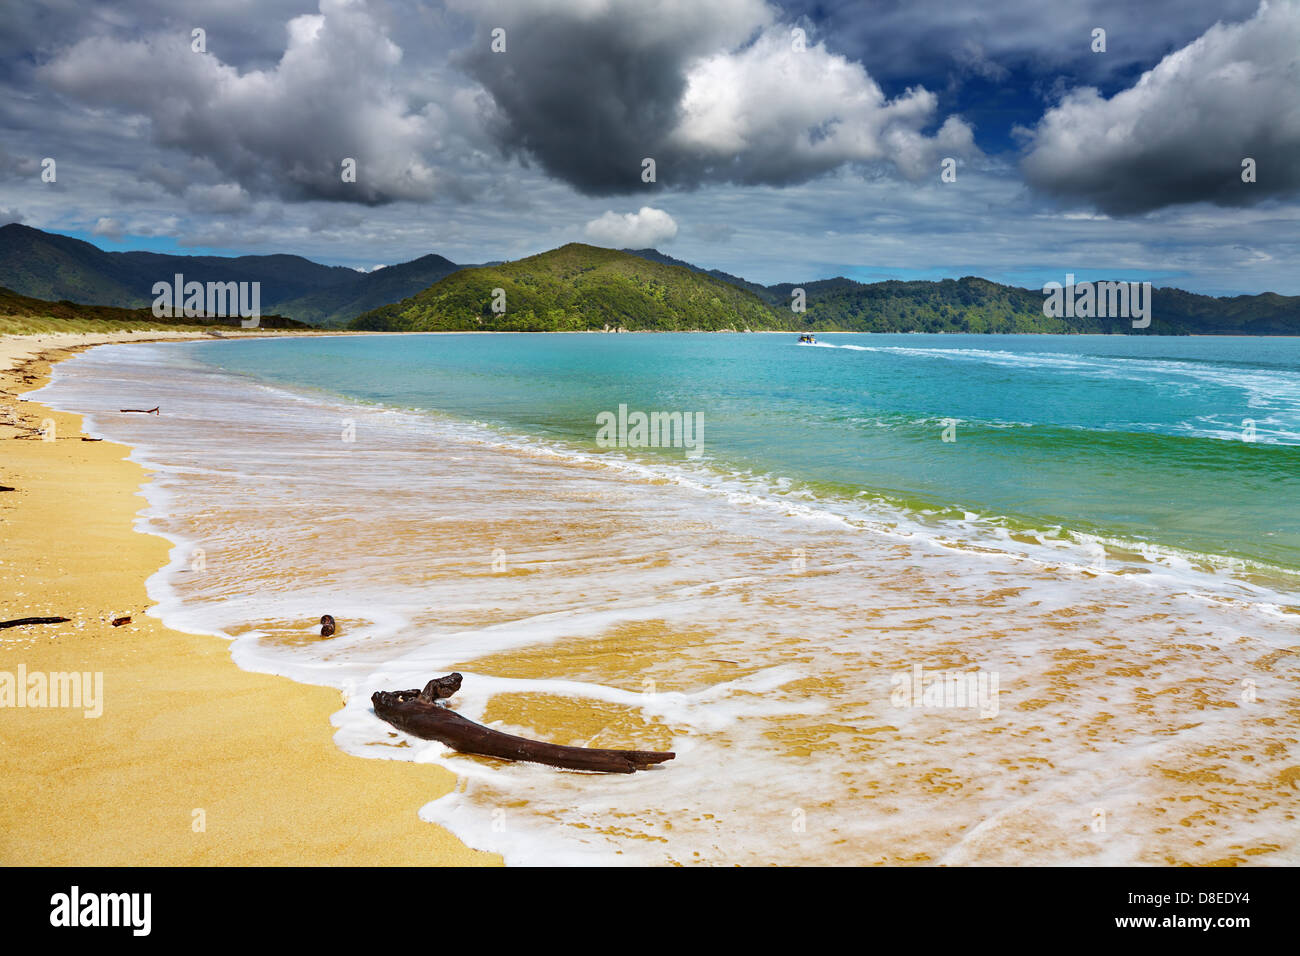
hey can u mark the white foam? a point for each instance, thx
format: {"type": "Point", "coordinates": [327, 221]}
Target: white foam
{"type": "Point", "coordinates": [686, 549]}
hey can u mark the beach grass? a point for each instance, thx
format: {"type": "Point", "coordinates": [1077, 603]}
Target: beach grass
{"type": "Point", "coordinates": [40, 325]}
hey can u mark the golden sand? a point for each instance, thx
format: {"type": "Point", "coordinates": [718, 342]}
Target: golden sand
{"type": "Point", "coordinates": [193, 761]}
{"type": "Point", "coordinates": [907, 789]}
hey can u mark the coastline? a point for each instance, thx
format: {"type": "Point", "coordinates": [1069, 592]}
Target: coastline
{"type": "Point", "coordinates": [1119, 692]}
{"type": "Point", "coordinates": [193, 760]}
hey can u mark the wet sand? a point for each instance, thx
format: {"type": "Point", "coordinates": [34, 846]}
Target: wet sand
{"type": "Point", "coordinates": [1137, 723]}
{"type": "Point", "coordinates": [193, 761]}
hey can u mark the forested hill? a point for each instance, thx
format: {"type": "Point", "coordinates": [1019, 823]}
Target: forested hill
{"type": "Point", "coordinates": [574, 288]}
{"type": "Point", "coordinates": [46, 265]}
{"type": "Point", "coordinates": [581, 287]}
{"type": "Point", "coordinates": [21, 314]}
{"type": "Point", "coordinates": [977, 305]}
{"type": "Point", "coordinates": [585, 287]}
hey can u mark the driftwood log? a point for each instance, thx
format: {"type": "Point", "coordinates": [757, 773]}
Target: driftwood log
{"type": "Point", "coordinates": [142, 411]}
{"type": "Point", "coordinates": [22, 621]}
{"type": "Point", "coordinates": [423, 714]}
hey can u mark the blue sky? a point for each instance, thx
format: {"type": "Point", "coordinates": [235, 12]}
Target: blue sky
{"type": "Point", "coordinates": [792, 141]}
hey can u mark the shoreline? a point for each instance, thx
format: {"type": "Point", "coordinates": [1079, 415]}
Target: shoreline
{"type": "Point", "coordinates": [1130, 691]}
{"type": "Point", "coordinates": [240, 770]}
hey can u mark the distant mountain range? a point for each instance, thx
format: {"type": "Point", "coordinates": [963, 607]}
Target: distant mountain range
{"type": "Point", "coordinates": [584, 287]}
{"type": "Point", "coordinates": [46, 265]}
{"type": "Point", "coordinates": [337, 304]}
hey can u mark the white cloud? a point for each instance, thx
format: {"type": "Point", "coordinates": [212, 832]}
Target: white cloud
{"type": "Point", "coordinates": [714, 92]}
{"type": "Point", "coordinates": [785, 114]}
{"type": "Point", "coordinates": [108, 227]}
{"type": "Point", "coordinates": [633, 230]}
{"type": "Point", "coordinates": [1181, 132]}
{"type": "Point", "coordinates": [338, 91]}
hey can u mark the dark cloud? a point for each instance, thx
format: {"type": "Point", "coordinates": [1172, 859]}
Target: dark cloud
{"type": "Point", "coordinates": [338, 90]}
{"type": "Point", "coordinates": [18, 167]}
{"type": "Point", "coordinates": [807, 165]}
{"type": "Point", "coordinates": [590, 126]}
{"type": "Point", "coordinates": [720, 92]}
{"type": "Point", "coordinates": [1180, 134]}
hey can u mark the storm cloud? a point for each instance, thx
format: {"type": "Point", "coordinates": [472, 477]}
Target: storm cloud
{"type": "Point", "coordinates": [781, 156]}
{"type": "Point", "coordinates": [719, 92]}
{"type": "Point", "coordinates": [336, 93]}
{"type": "Point", "coordinates": [1181, 133]}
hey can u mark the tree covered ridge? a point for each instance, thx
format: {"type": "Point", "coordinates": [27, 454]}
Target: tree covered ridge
{"type": "Point", "coordinates": [575, 288]}
{"type": "Point", "coordinates": [579, 287]}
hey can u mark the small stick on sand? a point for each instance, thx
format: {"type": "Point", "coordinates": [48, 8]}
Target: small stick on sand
{"type": "Point", "coordinates": [33, 620]}
{"type": "Point", "coordinates": [142, 411]}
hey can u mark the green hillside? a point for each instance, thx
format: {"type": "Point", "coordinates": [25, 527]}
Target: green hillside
{"type": "Point", "coordinates": [581, 287]}
{"type": "Point", "coordinates": [49, 266]}
{"type": "Point", "coordinates": [573, 288]}
{"type": "Point", "coordinates": [952, 305]}
{"type": "Point", "coordinates": [21, 314]}
{"type": "Point", "coordinates": [584, 287]}
{"type": "Point", "coordinates": [654, 255]}
{"type": "Point", "coordinates": [972, 304]}
{"type": "Point", "coordinates": [1265, 314]}
{"type": "Point", "coordinates": [978, 305]}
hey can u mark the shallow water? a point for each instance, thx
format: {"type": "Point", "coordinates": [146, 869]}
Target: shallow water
{"type": "Point", "coordinates": [1129, 436]}
{"type": "Point", "coordinates": [763, 609]}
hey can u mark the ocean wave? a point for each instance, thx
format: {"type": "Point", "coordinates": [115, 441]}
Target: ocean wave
{"type": "Point", "coordinates": [660, 600]}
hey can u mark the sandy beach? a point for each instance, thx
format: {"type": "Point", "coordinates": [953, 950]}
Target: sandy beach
{"type": "Point", "coordinates": [1136, 712]}
{"type": "Point", "coordinates": [193, 761]}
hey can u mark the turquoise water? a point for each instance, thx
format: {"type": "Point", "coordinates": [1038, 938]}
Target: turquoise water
{"type": "Point", "coordinates": [1128, 438]}
{"type": "Point", "coordinates": [757, 609]}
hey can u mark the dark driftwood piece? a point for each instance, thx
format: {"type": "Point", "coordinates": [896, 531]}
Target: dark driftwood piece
{"type": "Point", "coordinates": [33, 620]}
{"type": "Point", "coordinates": [142, 411]}
{"type": "Point", "coordinates": [422, 714]}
